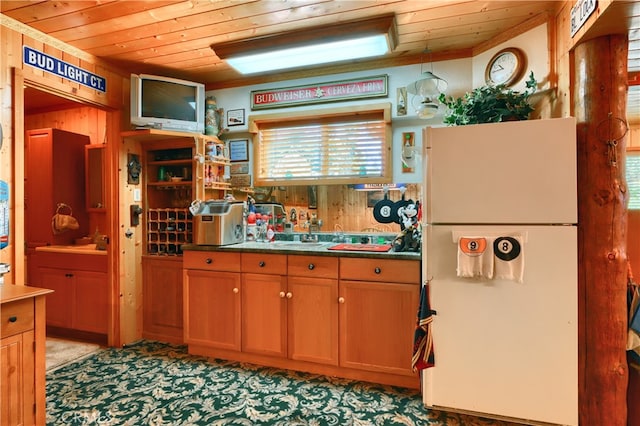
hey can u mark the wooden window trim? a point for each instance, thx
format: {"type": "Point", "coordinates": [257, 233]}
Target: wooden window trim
{"type": "Point", "coordinates": [314, 116]}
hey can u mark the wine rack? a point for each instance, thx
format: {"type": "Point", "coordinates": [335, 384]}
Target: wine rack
{"type": "Point", "coordinates": [167, 230]}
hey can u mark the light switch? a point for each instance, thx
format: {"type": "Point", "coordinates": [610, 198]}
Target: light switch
{"type": "Point", "coordinates": [137, 194]}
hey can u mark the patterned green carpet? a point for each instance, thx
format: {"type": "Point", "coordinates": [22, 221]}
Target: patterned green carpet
{"type": "Point", "coordinates": [153, 383]}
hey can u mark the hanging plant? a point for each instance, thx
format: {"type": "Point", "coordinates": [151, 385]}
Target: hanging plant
{"type": "Point", "coordinates": [489, 104]}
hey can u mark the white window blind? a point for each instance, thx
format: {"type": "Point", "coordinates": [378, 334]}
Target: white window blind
{"type": "Point", "coordinates": [633, 179]}
{"type": "Point", "coordinates": [335, 149]}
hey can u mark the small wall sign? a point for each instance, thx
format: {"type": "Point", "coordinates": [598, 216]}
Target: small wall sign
{"type": "Point", "coordinates": [239, 150]}
{"type": "Point", "coordinates": [235, 117]}
{"type": "Point", "coordinates": [580, 13]}
{"type": "Point", "coordinates": [378, 186]}
{"type": "Point", "coordinates": [63, 69]}
{"type": "Point", "coordinates": [241, 181]}
{"type": "Point", "coordinates": [360, 88]}
{"type": "Point", "coordinates": [239, 169]}
{"type": "Point", "coordinates": [408, 152]}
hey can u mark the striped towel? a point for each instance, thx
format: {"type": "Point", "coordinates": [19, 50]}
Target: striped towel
{"type": "Point", "coordinates": [422, 340]}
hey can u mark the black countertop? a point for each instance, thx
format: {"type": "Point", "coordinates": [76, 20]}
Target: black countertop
{"type": "Point", "coordinates": [300, 248]}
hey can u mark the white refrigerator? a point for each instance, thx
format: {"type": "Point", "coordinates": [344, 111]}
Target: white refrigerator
{"type": "Point", "coordinates": [505, 336]}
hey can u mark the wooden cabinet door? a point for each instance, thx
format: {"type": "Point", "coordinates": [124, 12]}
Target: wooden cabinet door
{"type": "Point", "coordinates": [377, 323]}
{"type": "Point", "coordinates": [264, 314]}
{"type": "Point", "coordinates": [212, 309]}
{"type": "Point", "coordinates": [60, 302]}
{"type": "Point", "coordinates": [18, 379]}
{"type": "Point", "coordinates": [162, 299]}
{"type": "Point", "coordinates": [312, 308]}
{"type": "Point", "coordinates": [91, 305]}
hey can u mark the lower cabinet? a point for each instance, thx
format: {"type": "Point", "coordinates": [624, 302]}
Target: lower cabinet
{"type": "Point", "coordinates": [162, 298]}
{"type": "Point", "coordinates": [22, 355]}
{"type": "Point", "coordinates": [313, 309]}
{"type": "Point", "coordinates": [377, 323]}
{"type": "Point", "coordinates": [288, 313]}
{"type": "Point", "coordinates": [81, 293]}
{"type": "Point", "coordinates": [322, 314]}
{"type": "Point", "coordinates": [379, 302]}
{"type": "Point", "coordinates": [212, 300]}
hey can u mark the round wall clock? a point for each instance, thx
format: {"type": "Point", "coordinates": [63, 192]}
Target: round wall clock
{"type": "Point", "coordinates": [506, 67]}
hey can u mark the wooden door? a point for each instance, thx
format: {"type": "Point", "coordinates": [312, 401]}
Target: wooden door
{"type": "Point", "coordinates": [377, 322]}
{"type": "Point", "coordinates": [162, 299]}
{"type": "Point", "coordinates": [313, 319]}
{"type": "Point", "coordinates": [212, 309]}
{"type": "Point", "coordinates": [60, 302]}
{"type": "Point", "coordinates": [91, 308]}
{"type": "Point", "coordinates": [264, 314]}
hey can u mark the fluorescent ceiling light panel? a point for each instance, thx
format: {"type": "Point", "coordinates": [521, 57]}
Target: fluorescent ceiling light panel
{"type": "Point", "coordinates": [338, 42]}
{"type": "Point", "coordinates": [312, 54]}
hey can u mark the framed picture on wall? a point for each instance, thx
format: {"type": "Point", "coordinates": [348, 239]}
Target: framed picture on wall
{"type": "Point", "coordinates": [235, 117]}
{"type": "Point", "coordinates": [239, 150]}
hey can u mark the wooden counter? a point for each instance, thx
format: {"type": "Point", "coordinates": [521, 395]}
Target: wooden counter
{"type": "Point", "coordinates": [22, 360]}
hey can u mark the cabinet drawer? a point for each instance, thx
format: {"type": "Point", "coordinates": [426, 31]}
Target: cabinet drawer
{"type": "Point", "coordinates": [381, 270]}
{"type": "Point", "coordinates": [72, 261]}
{"type": "Point", "coordinates": [17, 317]}
{"type": "Point", "coordinates": [313, 266]}
{"type": "Point", "coordinates": [211, 261]}
{"type": "Point", "coordinates": [261, 263]}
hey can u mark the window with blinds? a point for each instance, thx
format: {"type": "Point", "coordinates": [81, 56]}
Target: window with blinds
{"type": "Point", "coordinates": [633, 179]}
{"type": "Point", "coordinates": [348, 147]}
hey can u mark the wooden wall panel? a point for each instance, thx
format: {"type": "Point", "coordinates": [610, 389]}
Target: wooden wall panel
{"type": "Point", "coordinates": [84, 120]}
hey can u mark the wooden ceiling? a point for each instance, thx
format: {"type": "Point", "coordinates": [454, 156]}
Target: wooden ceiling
{"type": "Point", "coordinates": [174, 37]}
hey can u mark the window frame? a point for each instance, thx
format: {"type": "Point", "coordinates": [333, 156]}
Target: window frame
{"type": "Point", "coordinates": [313, 115]}
{"type": "Point", "coordinates": [631, 152]}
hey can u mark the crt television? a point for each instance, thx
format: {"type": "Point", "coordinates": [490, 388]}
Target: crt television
{"type": "Point", "coordinates": [167, 103]}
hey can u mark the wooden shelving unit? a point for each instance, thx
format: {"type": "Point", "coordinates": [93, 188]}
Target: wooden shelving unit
{"type": "Point", "coordinates": [177, 169]}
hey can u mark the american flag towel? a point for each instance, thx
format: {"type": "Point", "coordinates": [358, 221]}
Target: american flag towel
{"type": "Point", "coordinates": [422, 339]}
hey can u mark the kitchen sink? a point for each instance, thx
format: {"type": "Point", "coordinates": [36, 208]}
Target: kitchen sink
{"type": "Point", "coordinates": [299, 245]}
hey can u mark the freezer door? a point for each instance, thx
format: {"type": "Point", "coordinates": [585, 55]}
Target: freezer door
{"type": "Point", "coordinates": [514, 172]}
{"type": "Point", "coordinates": [503, 347]}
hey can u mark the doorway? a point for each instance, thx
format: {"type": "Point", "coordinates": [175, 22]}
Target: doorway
{"type": "Point", "coordinates": [42, 108]}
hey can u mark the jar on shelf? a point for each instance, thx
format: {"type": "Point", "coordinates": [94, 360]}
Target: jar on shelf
{"type": "Point", "coordinates": [211, 117]}
{"type": "Point", "coordinates": [210, 150]}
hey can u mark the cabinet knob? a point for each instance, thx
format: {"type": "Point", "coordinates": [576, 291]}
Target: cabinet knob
{"type": "Point", "coordinates": [282, 294]}
{"type": "Point", "coordinates": [289, 295]}
{"type": "Point", "coordinates": [68, 275]}
{"type": "Point", "coordinates": [13, 319]}
{"type": "Point", "coordinates": [208, 261]}
{"type": "Point", "coordinates": [236, 290]}
{"type": "Point", "coordinates": [377, 270]}
{"type": "Point", "coordinates": [311, 266]}
{"type": "Point", "coordinates": [261, 264]}
{"type": "Point", "coordinates": [340, 299]}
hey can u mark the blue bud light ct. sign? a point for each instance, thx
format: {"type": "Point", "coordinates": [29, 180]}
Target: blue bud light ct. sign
{"type": "Point", "coordinates": [63, 69]}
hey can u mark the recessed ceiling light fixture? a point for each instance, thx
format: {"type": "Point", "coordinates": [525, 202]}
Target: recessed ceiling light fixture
{"type": "Point", "coordinates": [311, 46]}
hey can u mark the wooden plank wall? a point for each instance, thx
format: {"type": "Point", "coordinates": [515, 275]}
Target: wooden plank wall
{"type": "Point", "coordinates": [340, 207]}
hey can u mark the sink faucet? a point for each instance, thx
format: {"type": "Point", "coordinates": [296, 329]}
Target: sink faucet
{"type": "Point", "coordinates": [313, 224]}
